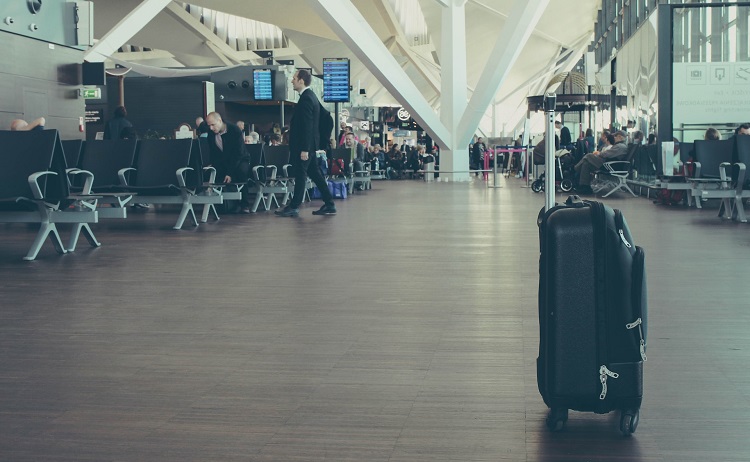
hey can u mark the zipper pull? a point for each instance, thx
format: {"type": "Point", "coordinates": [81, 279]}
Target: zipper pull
{"type": "Point", "coordinates": [638, 322]}
{"type": "Point", "coordinates": [635, 324]}
{"type": "Point", "coordinates": [603, 373]}
{"type": "Point", "coordinates": [622, 238]}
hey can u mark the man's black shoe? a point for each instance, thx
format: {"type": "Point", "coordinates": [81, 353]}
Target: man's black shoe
{"type": "Point", "coordinates": [287, 212]}
{"type": "Point", "coordinates": [325, 210]}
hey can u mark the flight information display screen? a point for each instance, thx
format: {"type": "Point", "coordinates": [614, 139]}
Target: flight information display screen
{"type": "Point", "coordinates": [336, 80]}
{"type": "Point", "coordinates": [262, 84]}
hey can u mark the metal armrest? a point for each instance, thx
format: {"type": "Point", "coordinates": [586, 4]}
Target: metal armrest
{"type": "Point", "coordinates": [696, 171]}
{"type": "Point", "coordinates": [273, 172]}
{"type": "Point", "coordinates": [211, 175]}
{"type": "Point", "coordinates": [87, 183]}
{"type": "Point", "coordinates": [256, 169]}
{"type": "Point", "coordinates": [36, 190]}
{"type": "Point", "coordinates": [740, 177]}
{"type": "Point", "coordinates": [180, 173]}
{"type": "Point", "coordinates": [121, 175]}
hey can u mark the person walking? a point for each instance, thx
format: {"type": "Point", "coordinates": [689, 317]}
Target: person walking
{"type": "Point", "coordinates": [304, 139]}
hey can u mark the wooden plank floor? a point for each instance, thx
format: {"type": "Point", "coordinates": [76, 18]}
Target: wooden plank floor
{"type": "Point", "coordinates": [403, 329]}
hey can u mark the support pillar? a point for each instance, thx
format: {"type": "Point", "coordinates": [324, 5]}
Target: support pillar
{"type": "Point", "coordinates": [454, 157]}
{"type": "Point", "coordinates": [121, 83]}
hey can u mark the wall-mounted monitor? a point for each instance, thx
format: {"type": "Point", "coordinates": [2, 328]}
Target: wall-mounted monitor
{"type": "Point", "coordinates": [263, 84]}
{"type": "Point", "coordinates": [336, 80]}
{"type": "Point", "coordinates": [93, 74]}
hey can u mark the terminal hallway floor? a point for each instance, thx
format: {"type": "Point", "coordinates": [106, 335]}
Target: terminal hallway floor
{"type": "Point", "coordinates": [403, 329]}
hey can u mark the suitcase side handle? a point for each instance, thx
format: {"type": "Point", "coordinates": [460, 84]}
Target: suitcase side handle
{"type": "Point", "coordinates": [574, 200]}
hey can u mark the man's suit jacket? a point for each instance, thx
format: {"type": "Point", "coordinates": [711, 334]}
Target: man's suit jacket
{"type": "Point", "coordinates": [304, 132]}
{"type": "Point", "coordinates": [227, 161]}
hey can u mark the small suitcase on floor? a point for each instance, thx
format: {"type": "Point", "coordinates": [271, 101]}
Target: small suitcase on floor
{"type": "Point", "coordinates": [592, 313]}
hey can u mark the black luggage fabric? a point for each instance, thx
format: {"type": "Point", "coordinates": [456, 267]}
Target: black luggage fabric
{"type": "Point", "coordinates": [592, 310]}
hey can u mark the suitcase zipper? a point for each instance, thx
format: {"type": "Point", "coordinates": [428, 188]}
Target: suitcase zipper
{"type": "Point", "coordinates": [603, 374]}
{"type": "Point", "coordinates": [619, 222]}
{"type": "Point", "coordinates": [638, 322]}
{"type": "Point", "coordinates": [622, 238]}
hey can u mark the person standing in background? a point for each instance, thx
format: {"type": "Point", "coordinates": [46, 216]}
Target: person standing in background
{"type": "Point", "coordinates": [114, 128]}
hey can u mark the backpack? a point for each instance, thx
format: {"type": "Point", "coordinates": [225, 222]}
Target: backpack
{"type": "Point", "coordinates": [325, 128]}
{"type": "Point", "coordinates": [337, 167]}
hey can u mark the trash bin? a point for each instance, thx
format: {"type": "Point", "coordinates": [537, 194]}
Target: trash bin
{"type": "Point", "coordinates": [429, 168]}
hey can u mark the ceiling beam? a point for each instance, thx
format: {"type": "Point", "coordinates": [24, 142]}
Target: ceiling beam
{"type": "Point", "coordinates": [144, 55]}
{"type": "Point", "coordinates": [213, 41]}
{"type": "Point", "coordinates": [415, 60]}
{"type": "Point", "coordinates": [222, 57]}
{"type": "Point", "coordinates": [125, 30]}
{"type": "Point", "coordinates": [349, 25]}
{"type": "Point", "coordinates": [521, 22]}
{"type": "Point", "coordinates": [535, 33]}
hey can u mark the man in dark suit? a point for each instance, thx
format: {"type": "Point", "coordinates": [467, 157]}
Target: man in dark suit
{"type": "Point", "coordinates": [304, 140]}
{"type": "Point", "coordinates": [228, 157]}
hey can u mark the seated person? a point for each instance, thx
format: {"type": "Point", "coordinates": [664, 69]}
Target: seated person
{"type": "Point", "coordinates": [228, 155]}
{"type": "Point", "coordinates": [252, 138]}
{"type": "Point", "coordinates": [540, 150]}
{"type": "Point", "coordinates": [712, 134]}
{"type": "Point", "coordinates": [351, 143]}
{"type": "Point", "coordinates": [594, 161]}
{"type": "Point", "coordinates": [377, 158]}
{"type": "Point", "coordinates": [396, 160]}
{"type": "Point", "coordinates": [415, 159]}
{"type": "Point", "coordinates": [275, 140]}
{"type": "Point", "coordinates": [22, 125]}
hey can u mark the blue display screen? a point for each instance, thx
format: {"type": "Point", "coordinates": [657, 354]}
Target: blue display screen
{"type": "Point", "coordinates": [336, 80]}
{"type": "Point", "coordinates": [262, 84]}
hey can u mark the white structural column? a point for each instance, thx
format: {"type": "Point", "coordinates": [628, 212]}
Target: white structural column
{"type": "Point", "coordinates": [125, 29]}
{"type": "Point", "coordinates": [518, 28]}
{"type": "Point", "coordinates": [454, 157]}
{"type": "Point", "coordinates": [349, 25]}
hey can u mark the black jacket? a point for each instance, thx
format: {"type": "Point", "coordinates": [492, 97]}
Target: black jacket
{"type": "Point", "coordinates": [113, 129]}
{"type": "Point", "coordinates": [304, 133]}
{"type": "Point", "coordinates": [226, 162]}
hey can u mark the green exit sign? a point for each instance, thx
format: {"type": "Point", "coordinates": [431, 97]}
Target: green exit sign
{"type": "Point", "coordinates": [91, 93]}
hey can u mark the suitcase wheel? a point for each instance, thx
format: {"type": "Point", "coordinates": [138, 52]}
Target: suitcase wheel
{"type": "Point", "coordinates": [629, 421]}
{"type": "Point", "coordinates": [556, 419]}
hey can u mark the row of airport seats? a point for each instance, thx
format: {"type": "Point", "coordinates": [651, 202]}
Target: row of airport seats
{"type": "Point", "coordinates": [712, 169]}
{"type": "Point", "coordinates": [719, 172]}
{"type": "Point", "coordinates": [48, 181]}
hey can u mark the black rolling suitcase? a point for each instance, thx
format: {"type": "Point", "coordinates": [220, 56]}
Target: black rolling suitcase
{"type": "Point", "coordinates": [592, 313]}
